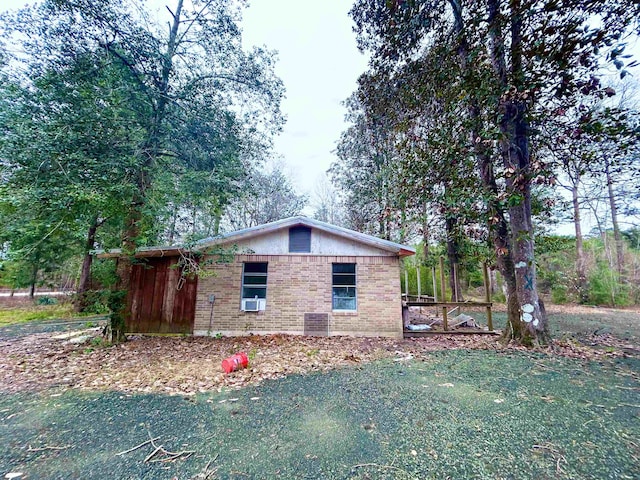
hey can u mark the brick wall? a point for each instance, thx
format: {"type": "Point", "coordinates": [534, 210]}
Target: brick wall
{"type": "Point", "coordinates": [299, 284]}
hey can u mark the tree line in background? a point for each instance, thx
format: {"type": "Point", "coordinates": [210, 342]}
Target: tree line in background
{"type": "Point", "coordinates": [472, 116]}
{"type": "Point", "coordinates": [117, 130]}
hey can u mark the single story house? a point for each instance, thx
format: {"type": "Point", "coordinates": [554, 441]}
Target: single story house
{"type": "Point", "coordinates": [294, 276]}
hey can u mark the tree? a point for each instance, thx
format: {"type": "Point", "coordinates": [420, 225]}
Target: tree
{"type": "Point", "coordinates": [37, 247]}
{"type": "Point", "coordinates": [326, 202]}
{"type": "Point", "coordinates": [203, 105]}
{"type": "Point", "coordinates": [266, 197]}
{"type": "Point", "coordinates": [58, 155]}
{"type": "Point", "coordinates": [517, 59]}
{"type": "Point", "coordinates": [365, 171]}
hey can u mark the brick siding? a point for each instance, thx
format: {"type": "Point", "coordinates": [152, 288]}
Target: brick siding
{"type": "Point", "coordinates": [299, 284]}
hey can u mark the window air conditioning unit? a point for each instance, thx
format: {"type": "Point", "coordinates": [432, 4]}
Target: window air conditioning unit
{"type": "Point", "coordinates": [253, 304]}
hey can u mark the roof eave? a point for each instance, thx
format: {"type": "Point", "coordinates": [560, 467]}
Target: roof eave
{"type": "Point", "coordinates": [141, 253]}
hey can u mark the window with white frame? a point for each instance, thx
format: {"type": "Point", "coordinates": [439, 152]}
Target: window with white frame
{"type": "Point", "coordinates": [344, 286]}
{"type": "Point", "coordinates": [254, 286]}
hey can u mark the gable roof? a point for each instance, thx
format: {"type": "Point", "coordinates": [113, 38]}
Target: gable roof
{"type": "Point", "coordinates": [397, 248]}
{"type": "Point", "coordinates": [401, 250]}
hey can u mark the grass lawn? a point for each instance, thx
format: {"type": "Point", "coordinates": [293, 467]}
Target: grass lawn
{"type": "Point", "coordinates": [458, 413]}
{"type": "Point", "coordinates": [16, 321]}
{"type": "Point", "coordinates": [30, 313]}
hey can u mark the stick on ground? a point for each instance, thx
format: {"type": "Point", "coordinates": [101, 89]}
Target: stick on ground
{"type": "Point", "coordinates": [151, 455]}
{"type": "Point", "coordinates": [137, 446]}
{"type": "Point", "coordinates": [47, 447]}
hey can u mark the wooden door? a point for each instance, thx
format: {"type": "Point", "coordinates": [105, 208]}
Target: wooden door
{"type": "Point", "coordinates": [159, 300]}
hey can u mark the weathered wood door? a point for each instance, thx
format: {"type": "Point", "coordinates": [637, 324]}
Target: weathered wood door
{"type": "Point", "coordinates": [159, 300]}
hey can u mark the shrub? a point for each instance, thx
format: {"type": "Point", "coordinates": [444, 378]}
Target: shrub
{"type": "Point", "coordinates": [46, 301]}
{"type": "Point", "coordinates": [605, 287]}
{"type": "Point", "coordinates": [93, 301]}
{"type": "Point", "coordinates": [559, 294]}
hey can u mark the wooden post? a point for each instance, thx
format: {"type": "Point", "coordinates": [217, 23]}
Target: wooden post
{"type": "Point", "coordinates": [487, 295]}
{"type": "Point", "coordinates": [418, 278]}
{"type": "Point", "coordinates": [454, 267]}
{"type": "Point", "coordinates": [443, 290]}
{"type": "Point", "coordinates": [406, 284]}
{"type": "Point", "coordinates": [435, 288]}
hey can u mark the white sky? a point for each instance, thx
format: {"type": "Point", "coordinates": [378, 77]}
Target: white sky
{"type": "Point", "coordinates": [319, 65]}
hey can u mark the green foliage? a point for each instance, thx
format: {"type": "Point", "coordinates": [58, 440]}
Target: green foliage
{"type": "Point", "coordinates": [126, 134]}
{"type": "Point", "coordinates": [606, 288]}
{"type": "Point", "coordinates": [559, 294]}
{"type": "Point", "coordinates": [46, 301]}
{"type": "Point", "coordinates": [100, 342]}
{"type": "Point", "coordinates": [14, 274]}
{"type": "Point", "coordinates": [103, 273]}
{"type": "Point", "coordinates": [632, 237]}
{"type": "Point", "coordinates": [458, 95]}
{"type": "Point", "coordinates": [555, 267]}
{"type": "Point", "coordinates": [426, 279]}
{"type": "Point", "coordinates": [557, 276]}
{"type": "Point", "coordinates": [116, 304]}
{"type": "Point", "coordinates": [93, 301]}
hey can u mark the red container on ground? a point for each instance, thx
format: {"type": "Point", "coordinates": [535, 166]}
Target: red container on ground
{"type": "Point", "coordinates": [235, 362]}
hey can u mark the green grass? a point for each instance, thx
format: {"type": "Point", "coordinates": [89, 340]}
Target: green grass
{"type": "Point", "coordinates": [13, 315]}
{"type": "Point", "coordinates": [459, 414]}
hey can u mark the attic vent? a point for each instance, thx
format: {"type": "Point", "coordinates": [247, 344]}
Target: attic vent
{"type": "Point", "coordinates": [299, 239]}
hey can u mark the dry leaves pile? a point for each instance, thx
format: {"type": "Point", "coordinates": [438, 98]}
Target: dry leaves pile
{"type": "Point", "coordinates": [188, 365]}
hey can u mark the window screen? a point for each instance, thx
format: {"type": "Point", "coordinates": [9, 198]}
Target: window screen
{"type": "Point", "coordinates": [344, 286]}
{"type": "Point", "coordinates": [300, 239]}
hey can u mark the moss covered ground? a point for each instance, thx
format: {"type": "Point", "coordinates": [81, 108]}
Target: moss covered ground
{"type": "Point", "coordinates": [454, 414]}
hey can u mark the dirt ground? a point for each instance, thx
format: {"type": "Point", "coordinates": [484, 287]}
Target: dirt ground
{"type": "Point", "coordinates": [191, 365]}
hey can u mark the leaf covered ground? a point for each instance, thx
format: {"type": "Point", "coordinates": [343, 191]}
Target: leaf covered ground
{"type": "Point", "coordinates": [335, 408]}
{"type": "Point", "coordinates": [190, 365]}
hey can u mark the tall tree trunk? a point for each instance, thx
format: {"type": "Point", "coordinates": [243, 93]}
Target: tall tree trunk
{"type": "Point", "coordinates": [425, 236]}
{"type": "Point", "coordinates": [85, 273]}
{"type": "Point", "coordinates": [174, 220]}
{"type": "Point", "coordinates": [34, 279]}
{"type": "Point", "coordinates": [581, 277]}
{"type": "Point", "coordinates": [453, 255]}
{"type": "Point", "coordinates": [499, 236]}
{"type": "Point", "coordinates": [402, 234]}
{"type": "Point", "coordinates": [498, 226]}
{"type": "Point", "coordinates": [151, 151]}
{"type": "Point", "coordinates": [118, 302]}
{"type": "Point", "coordinates": [617, 236]}
{"type": "Point", "coordinates": [217, 216]}
{"type": "Point", "coordinates": [531, 328]}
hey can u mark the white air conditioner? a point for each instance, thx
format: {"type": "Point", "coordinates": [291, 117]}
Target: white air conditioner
{"type": "Point", "coordinates": [253, 304]}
